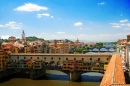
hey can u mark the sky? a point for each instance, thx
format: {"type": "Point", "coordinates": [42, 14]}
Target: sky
{"type": "Point", "coordinates": [87, 20]}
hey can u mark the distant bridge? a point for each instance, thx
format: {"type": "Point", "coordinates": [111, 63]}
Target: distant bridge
{"type": "Point", "coordinates": [102, 49]}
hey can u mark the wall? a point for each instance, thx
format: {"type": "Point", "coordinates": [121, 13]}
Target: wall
{"type": "Point", "coordinates": [60, 57]}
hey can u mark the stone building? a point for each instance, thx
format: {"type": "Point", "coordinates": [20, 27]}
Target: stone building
{"type": "Point", "coordinates": [12, 39]}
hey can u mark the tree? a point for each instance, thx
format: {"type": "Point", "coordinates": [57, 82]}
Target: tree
{"type": "Point", "coordinates": [80, 50]}
{"type": "Point", "coordinates": [99, 46]}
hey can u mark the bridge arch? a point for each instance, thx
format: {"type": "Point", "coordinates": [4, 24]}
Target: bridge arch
{"type": "Point", "coordinates": [95, 49]}
{"type": "Point", "coordinates": [57, 72]}
{"type": "Point", "coordinates": [111, 49]}
{"type": "Point", "coordinates": [92, 76]}
{"type": "Point", "coordinates": [103, 49]}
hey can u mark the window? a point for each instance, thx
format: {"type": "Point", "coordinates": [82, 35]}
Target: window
{"type": "Point", "coordinates": [82, 59]}
{"type": "Point", "coordinates": [31, 57]}
{"type": "Point", "coordinates": [24, 57]}
{"type": "Point", "coordinates": [18, 57]}
{"type": "Point", "coordinates": [74, 58]}
{"type": "Point", "coordinates": [37, 57]}
{"type": "Point", "coordinates": [66, 58]}
{"type": "Point", "coordinates": [90, 58]}
{"type": "Point", "coordinates": [107, 58]}
{"type": "Point", "coordinates": [98, 59]}
{"type": "Point", "coordinates": [59, 58]}
{"type": "Point", "coordinates": [51, 58]}
{"type": "Point", "coordinates": [44, 58]}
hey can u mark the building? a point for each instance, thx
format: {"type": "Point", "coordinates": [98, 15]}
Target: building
{"type": "Point", "coordinates": [23, 36]}
{"type": "Point", "coordinates": [103, 58]}
{"type": "Point", "coordinates": [45, 47]}
{"type": "Point", "coordinates": [61, 47]}
{"type": "Point", "coordinates": [125, 52]}
{"type": "Point", "coordinates": [12, 39]}
{"type": "Point", "coordinates": [3, 60]}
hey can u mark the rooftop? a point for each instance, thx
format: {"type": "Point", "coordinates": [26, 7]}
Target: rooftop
{"type": "Point", "coordinates": [96, 54]}
{"type": "Point", "coordinates": [114, 75]}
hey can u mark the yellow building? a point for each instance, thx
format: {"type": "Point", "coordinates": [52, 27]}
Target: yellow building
{"type": "Point", "coordinates": [27, 49]}
{"type": "Point", "coordinates": [11, 48]}
{"type": "Point", "coordinates": [60, 47]}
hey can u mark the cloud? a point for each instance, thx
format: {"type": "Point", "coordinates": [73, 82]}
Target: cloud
{"type": "Point", "coordinates": [5, 36]}
{"type": "Point", "coordinates": [29, 7]}
{"type": "Point", "coordinates": [60, 33]}
{"type": "Point", "coordinates": [117, 26]}
{"type": "Point", "coordinates": [127, 29]}
{"type": "Point", "coordinates": [44, 14]}
{"type": "Point", "coordinates": [101, 3]}
{"type": "Point", "coordinates": [12, 25]}
{"type": "Point", "coordinates": [78, 24]}
{"type": "Point", "coordinates": [51, 16]}
{"type": "Point", "coordinates": [2, 25]}
{"type": "Point", "coordinates": [128, 24]}
{"type": "Point", "coordinates": [122, 24]}
{"type": "Point", "coordinates": [81, 28]}
{"type": "Point", "coordinates": [84, 37]}
{"type": "Point", "coordinates": [124, 20]}
{"type": "Point", "coordinates": [114, 23]}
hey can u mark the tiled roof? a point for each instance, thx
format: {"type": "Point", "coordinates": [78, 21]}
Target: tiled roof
{"type": "Point", "coordinates": [114, 73]}
{"type": "Point", "coordinates": [7, 47]}
{"type": "Point", "coordinates": [120, 85]}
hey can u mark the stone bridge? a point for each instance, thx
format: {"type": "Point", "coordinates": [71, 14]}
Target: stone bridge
{"type": "Point", "coordinates": [71, 64]}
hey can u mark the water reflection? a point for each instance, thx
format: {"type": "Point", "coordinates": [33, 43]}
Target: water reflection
{"type": "Point", "coordinates": [85, 77]}
{"type": "Point", "coordinates": [54, 78]}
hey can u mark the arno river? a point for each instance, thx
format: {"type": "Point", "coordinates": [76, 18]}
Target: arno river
{"type": "Point", "coordinates": [54, 78]}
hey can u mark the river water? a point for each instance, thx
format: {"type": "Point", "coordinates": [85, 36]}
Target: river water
{"type": "Point", "coordinates": [54, 78]}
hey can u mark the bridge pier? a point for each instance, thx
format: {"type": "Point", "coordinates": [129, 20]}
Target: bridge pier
{"type": "Point", "coordinates": [74, 75]}
{"type": "Point", "coordinates": [34, 74]}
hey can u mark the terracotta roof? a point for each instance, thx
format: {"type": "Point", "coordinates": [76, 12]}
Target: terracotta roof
{"type": "Point", "coordinates": [114, 73]}
{"type": "Point", "coordinates": [17, 46]}
{"type": "Point", "coordinates": [120, 85]}
{"type": "Point", "coordinates": [41, 54]}
{"type": "Point", "coordinates": [7, 47]}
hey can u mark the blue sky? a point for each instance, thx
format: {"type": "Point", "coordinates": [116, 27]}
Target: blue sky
{"type": "Point", "coordinates": [87, 20]}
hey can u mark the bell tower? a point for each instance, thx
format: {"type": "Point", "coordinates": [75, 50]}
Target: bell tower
{"type": "Point", "coordinates": [23, 36]}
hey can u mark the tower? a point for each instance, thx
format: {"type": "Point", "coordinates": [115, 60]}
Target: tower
{"type": "Point", "coordinates": [128, 38]}
{"type": "Point", "coordinates": [55, 43]}
{"type": "Point", "coordinates": [23, 36]}
{"type": "Point", "coordinates": [77, 41]}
